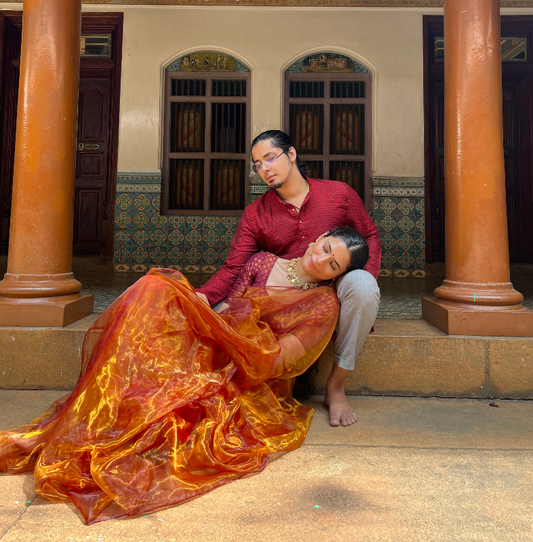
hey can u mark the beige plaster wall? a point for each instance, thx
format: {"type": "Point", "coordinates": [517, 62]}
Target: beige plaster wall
{"type": "Point", "coordinates": [268, 40]}
{"type": "Point", "coordinates": [388, 41]}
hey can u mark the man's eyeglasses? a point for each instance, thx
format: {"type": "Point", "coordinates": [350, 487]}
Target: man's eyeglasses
{"type": "Point", "coordinates": [266, 163]}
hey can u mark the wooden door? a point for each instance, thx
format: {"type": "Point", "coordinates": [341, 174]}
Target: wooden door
{"type": "Point", "coordinates": [517, 139]}
{"type": "Point", "coordinates": [435, 189]}
{"type": "Point", "coordinates": [92, 158]}
{"type": "Point", "coordinates": [517, 94]}
{"type": "Point", "coordinates": [10, 38]}
{"type": "Point", "coordinates": [511, 150]}
{"type": "Point", "coordinates": [96, 159]}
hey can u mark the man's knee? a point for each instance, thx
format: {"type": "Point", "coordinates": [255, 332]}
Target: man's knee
{"type": "Point", "coordinates": [358, 284]}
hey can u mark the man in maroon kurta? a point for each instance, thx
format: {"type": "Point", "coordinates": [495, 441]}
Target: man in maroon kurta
{"type": "Point", "coordinates": [273, 225]}
{"type": "Point", "coordinates": [284, 221]}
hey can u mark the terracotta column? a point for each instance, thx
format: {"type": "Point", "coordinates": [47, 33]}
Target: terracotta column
{"type": "Point", "coordinates": [477, 297]}
{"type": "Point", "coordinates": [39, 288]}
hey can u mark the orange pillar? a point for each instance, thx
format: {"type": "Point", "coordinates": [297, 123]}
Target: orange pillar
{"type": "Point", "coordinates": [477, 297]}
{"type": "Point", "coordinates": [39, 288]}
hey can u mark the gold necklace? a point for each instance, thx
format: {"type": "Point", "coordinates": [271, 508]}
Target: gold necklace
{"type": "Point", "coordinates": [296, 281]}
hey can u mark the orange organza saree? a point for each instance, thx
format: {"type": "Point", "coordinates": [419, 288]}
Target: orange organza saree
{"type": "Point", "coordinates": [173, 399]}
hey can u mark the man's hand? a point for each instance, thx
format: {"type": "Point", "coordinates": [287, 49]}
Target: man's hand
{"type": "Point", "coordinates": [203, 297]}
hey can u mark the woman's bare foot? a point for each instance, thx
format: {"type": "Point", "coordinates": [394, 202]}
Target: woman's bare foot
{"type": "Point", "coordinates": [340, 412]}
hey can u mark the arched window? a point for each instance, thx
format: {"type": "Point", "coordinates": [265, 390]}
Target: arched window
{"type": "Point", "coordinates": [207, 134]}
{"type": "Point", "coordinates": [328, 114]}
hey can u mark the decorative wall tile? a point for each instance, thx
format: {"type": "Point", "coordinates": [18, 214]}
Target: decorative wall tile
{"type": "Point", "coordinates": [157, 256]}
{"type": "Point", "coordinates": [124, 201]}
{"type": "Point", "coordinates": [193, 237]}
{"type": "Point", "coordinates": [144, 238]}
{"type": "Point", "coordinates": [175, 255]}
{"type": "Point", "coordinates": [193, 255]}
{"type": "Point", "coordinates": [140, 255]}
{"type": "Point", "coordinates": [398, 211]}
{"type": "Point", "coordinates": [388, 241]}
{"type": "Point", "coordinates": [387, 259]}
{"type": "Point", "coordinates": [210, 61]}
{"type": "Point", "coordinates": [158, 237]}
{"type": "Point", "coordinates": [406, 242]}
{"type": "Point", "coordinates": [387, 206]}
{"type": "Point", "coordinates": [388, 224]}
{"type": "Point", "coordinates": [210, 256]}
{"type": "Point", "coordinates": [123, 237]}
{"type": "Point", "coordinates": [405, 206]}
{"type": "Point", "coordinates": [405, 224]}
{"type": "Point", "coordinates": [327, 62]}
{"type": "Point", "coordinates": [176, 237]}
{"type": "Point", "coordinates": [140, 237]}
{"type": "Point", "coordinates": [122, 220]}
{"type": "Point", "coordinates": [198, 244]}
{"type": "Point", "coordinates": [141, 220]}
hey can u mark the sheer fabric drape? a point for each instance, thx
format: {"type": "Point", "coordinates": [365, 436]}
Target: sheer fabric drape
{"type": "Point", "coordinates": [173, 399]}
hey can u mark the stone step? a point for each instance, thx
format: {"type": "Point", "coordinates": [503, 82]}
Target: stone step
{"type": "Point", "coordinates": [413, 358]}
{"type": "Point", "coordinates": [402, 358]}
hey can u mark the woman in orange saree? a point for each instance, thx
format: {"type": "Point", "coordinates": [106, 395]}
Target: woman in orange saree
{"type": "Point", "coordinates": [174, 399]}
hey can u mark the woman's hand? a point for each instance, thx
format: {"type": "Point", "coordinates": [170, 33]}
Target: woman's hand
{"type": "Point", "coordinates": [203, 297]}
{"type": "Point", "coordinates": [291, 351]}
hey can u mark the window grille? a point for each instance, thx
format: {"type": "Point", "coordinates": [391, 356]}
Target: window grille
{"type": "Point", "coordinates": [206, 146]}
{"type": "Point", "coordinates": [328, 115]}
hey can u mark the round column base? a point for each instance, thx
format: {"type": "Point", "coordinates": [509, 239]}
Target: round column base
{"type": "Point", "coordinates": [30, 286]}
{"type": "Point", "coordinates": [497, 294]}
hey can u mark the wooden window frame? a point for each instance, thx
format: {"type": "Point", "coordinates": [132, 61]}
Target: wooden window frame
{"type": "Point", "coordinates": [326, 101]}
{"type": "Point", "coordinates": [207, 155]}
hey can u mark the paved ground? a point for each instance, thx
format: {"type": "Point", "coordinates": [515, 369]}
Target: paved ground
{"type": "Point", "coordinates": [409, 470]}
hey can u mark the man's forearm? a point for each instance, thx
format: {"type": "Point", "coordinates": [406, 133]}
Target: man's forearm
{"type": "Point", "coordinates": [219, 285]}
{"type": "Point", "coordinates": [374, 255]}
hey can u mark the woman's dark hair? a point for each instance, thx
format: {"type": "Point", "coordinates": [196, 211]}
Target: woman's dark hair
{"type": "Point", "coordinates": [304, 385]}
{"type": "Point", "coordinates": [281, 141]}
{"type": "Point", "coordinates": [355, 243]}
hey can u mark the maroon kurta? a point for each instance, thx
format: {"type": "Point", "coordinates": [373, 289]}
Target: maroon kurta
{"type": "Point", "coordinates": [273, 225]}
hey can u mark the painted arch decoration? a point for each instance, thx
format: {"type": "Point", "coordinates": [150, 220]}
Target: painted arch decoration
{"type": "Point", "coordinates": [207, 61]}
{"type": "Point", "coordinates": [327, 62]}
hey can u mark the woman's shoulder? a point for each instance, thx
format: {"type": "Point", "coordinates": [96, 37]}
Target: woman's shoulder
{"type": "Point", "coordinates": [261, 264]}
{"type": "Point", "coordinates": [263, 257]}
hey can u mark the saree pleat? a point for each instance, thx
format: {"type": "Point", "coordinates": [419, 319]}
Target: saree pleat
{"type": "Point", "coordinates": [173, 399]}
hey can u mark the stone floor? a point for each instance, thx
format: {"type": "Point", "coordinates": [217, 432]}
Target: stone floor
{"type": "Point", "coordinates": [410, 470]}
{"type": "Point", "coordinates": [400, 297]}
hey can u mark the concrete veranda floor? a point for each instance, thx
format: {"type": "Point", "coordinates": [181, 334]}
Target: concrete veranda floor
{"type": "Point", "coordinates": [410, 470]}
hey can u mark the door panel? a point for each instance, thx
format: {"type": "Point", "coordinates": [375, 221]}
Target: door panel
{"type": "Point", "coordinates": [88, 211]}
{"type": "Point", "coordinates": [511, 154]}
{"type": "Point", "coordinates": [10, 37]}
{"type": "Point", "coordinates": [96, 160]}
{"type": "Point", "coordinates": [91, 163]}
{"type": "Point", "coordinates": [517, 111]}
{"type": "Point", "coordinates": [511, 144]}
{"type": "Point", "coordinates": [435, 249]}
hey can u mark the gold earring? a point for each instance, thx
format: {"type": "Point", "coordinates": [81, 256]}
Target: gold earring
{"type": "Point", "coordinates": [309, 244]}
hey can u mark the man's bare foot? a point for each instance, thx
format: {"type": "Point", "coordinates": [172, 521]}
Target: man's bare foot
{"type": "Point", "coordinates": [340, 412]}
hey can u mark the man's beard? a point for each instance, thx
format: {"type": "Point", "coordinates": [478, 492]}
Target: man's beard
{"type": "Point", "coordinates": [276, 185]}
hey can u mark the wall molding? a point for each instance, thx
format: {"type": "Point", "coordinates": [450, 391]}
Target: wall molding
{"type": "Point", "coordinates": [295, 3]}
{"type": "Point", "coordinates": [398, 186]}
